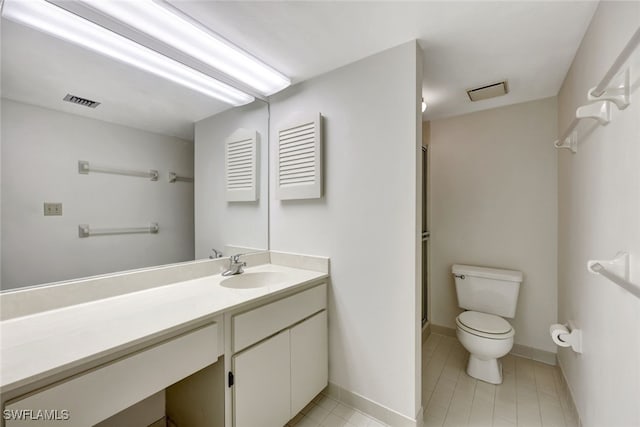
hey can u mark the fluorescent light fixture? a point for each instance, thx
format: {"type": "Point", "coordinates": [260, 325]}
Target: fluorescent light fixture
{"type": "Point", "coordinates": [163, 22]}
{"type": "Point", "coordinates": [424, 105]}
{"type": "Point", "coordinates": [46, 17]}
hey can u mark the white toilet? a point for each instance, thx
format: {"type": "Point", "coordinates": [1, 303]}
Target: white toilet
{"type": "Point", "coordinates": [487, 294]}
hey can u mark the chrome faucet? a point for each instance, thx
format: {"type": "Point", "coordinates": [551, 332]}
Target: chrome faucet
{"type": "Point", "coordinates": [235, 266]}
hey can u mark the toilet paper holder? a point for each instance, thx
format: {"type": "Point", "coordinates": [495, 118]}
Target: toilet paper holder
{"type": "Point", "coordinates": [567, 336]}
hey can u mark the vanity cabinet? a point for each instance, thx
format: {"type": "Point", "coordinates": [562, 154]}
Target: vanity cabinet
{"type": "Point", "coordinates": [309, 361]}
{"type": "Point", "coordinates": [275, 377]}
{"type": "Point", "coordinates": [223, 356]}
{"type": "Point", "coordinates": [93, 396]}
{"type": "Point", "coordinates": [262, 390]}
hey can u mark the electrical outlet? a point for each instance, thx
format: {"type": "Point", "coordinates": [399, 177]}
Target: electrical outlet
{"type": "Point", "coordinates": [52, 209]}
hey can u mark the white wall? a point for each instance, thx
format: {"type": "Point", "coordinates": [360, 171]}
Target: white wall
{"type": "Point", "coordinates": [367, 221]}
{"type": "Point", "coordinates": [40, 153]}
{"type": "Point", "coordinates": [599, 211]}
{"type": "Point", "coordinates": [219, 223]}
{"type": "Point", "coordinates": [493, 203]}
{"type": "Point", "coordinates": [0, 167]}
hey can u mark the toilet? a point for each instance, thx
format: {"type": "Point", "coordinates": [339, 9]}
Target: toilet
{"type": "Point", "coordinates": [488, 295]}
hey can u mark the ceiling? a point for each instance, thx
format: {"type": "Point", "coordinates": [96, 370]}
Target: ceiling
{"type": "Point", "coordinates": [465, 44]}
{"type": "Point", "coordinates": [39, 69]}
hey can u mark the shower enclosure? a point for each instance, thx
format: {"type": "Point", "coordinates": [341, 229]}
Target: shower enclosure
{"type": "Point", "coordinates": [425, 235]}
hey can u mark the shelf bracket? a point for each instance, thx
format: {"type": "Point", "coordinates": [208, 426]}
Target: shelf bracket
{"type": "Point", "coordinates": [618, 265]}
{"type": "Point", "coordinates": [173, 177]}
{"type": "Point", "coordinates": [618, 95]}
{"type": "Point", "coordinates": [616, 270]}
{"type": "Point", "coordinates": [570, 142]}
{"type": "Point", "coordinates": [600, 111]}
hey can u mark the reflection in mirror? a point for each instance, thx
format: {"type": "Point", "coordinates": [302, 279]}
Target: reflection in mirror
{"type": "Point", "coordinates": [229, 226]}
{"type": "Point", "coordinates": [142, 123]}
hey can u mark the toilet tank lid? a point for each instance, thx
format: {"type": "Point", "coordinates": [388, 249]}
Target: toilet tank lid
{"type": "Point", "coordinates": [488, 273]}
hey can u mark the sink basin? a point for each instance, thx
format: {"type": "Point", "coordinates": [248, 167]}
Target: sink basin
{"type": "Point", "coordinates": [252, 280]}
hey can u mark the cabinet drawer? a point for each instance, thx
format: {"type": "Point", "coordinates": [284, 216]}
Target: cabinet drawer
{"type": "Point", "coordinates": [255, 325]}
{"type": "Point", "coordinates": [96, 395]}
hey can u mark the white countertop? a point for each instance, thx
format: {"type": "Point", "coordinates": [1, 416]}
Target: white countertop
{"type": "Point", "coordinates": [40, 345]}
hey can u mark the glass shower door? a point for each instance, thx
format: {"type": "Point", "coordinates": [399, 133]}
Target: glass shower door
{"type": "Point", "coordinates": [425, 237]}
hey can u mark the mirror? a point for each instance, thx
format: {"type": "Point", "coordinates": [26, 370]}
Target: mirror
{"type": "Point", "coordinates": [143, 123]}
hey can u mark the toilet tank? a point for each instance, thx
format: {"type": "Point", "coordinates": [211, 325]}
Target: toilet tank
{"type": "Point", "coordinates": [488, 290]}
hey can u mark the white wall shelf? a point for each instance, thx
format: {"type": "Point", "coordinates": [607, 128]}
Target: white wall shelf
{"type": "Point", "coordinates": [602, 96]}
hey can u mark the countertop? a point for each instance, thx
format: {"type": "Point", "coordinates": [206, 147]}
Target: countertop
{"type": "Point", "coordinates": [37, 346]}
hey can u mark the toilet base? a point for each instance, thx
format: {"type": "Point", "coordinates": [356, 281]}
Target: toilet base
{"type": "Point", "coordinates": [485, 370]}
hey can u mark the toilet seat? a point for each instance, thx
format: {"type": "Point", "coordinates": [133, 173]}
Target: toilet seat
{"type": "Point", "coordinates": [485, 325]}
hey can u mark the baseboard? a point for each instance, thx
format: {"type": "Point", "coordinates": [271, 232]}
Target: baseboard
{"type": "Point", "coordinates": [369, 407]}
{"type": "Point", "coordinates": [565, 390]}
{"type": "Point", "coordinates": [443, 330]}
{"type": "Point", "coordinates": [162, 422]}
{"type": "Point", "coordinates": [426, 331]}
{"type": "Point", "coordinates": [518, 349]}
{"type": "Point", "coordinates": [535, 354]}
{"type": "Point", "coordinates": [420, 418]}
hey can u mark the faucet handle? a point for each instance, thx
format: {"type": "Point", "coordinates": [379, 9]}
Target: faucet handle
{"type": "Point", "coordinates": [215, 254]}
{"type": "Point", "coordinates": [235, 258]}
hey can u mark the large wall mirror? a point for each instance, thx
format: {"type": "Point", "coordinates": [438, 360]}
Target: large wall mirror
{"type": "Point", "coordinates": [142, 123]}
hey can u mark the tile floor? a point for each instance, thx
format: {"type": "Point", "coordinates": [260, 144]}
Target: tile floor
{"type": "Point", "coordinates": [530, 395]}
{"type": "Point", "coordinates": [326, 412]}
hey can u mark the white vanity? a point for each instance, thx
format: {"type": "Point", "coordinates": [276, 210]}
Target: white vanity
{"type": "Point", "coordinates": [279, 358]}
{"type": "Point", "coordinates": [241, 351]}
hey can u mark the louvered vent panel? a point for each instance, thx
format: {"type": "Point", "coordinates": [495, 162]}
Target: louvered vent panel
{"type": "Point", "coordinates": [299, 160]}
{"type": "Point", "coordinates": [240, 166]}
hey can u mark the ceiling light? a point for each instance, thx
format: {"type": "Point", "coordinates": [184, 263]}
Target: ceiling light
{"type": "Point", "coordinates": [424, 105]}
{"type": "Point", "coordinates": [46, 17]}
{"type": "Point", "coordinates": [163, 22]}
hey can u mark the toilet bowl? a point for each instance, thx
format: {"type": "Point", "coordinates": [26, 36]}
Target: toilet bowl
{"type": "Point", "coordinates": [486, 337]}
{"type": "Point", "coordinates": [488, 295]}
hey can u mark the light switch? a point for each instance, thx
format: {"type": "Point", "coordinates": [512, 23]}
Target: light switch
{"type": "Point", "coordinates": [51, 209]}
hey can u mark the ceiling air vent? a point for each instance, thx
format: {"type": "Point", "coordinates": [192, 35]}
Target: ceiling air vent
{"type": "Point", "coordinates": [488, 91]}
{"type": "Point", "coordinates": [81, 101]}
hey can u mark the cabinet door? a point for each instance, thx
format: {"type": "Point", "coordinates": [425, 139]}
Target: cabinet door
{"type": "Point", "coordinates": [262, 384]}
{"type": "Point", "coordinates": [309, 360]}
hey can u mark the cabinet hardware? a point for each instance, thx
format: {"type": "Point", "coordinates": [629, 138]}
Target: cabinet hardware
{"type": "Point", "coordinates": [230, 376]}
